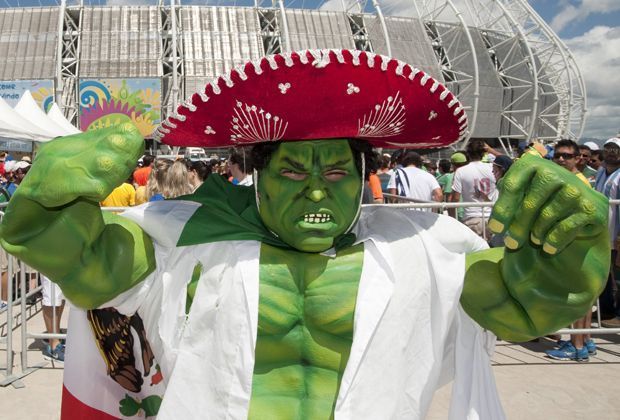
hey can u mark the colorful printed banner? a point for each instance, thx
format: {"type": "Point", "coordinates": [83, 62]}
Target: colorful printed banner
{"type": "Point", "coordinates": [107, 102]}
{"type": "Point", "coordinates": [42, 91]}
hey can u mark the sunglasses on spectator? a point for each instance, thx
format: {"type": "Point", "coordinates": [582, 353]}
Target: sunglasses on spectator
{"type": "Point", "coordinates": [564, 156]}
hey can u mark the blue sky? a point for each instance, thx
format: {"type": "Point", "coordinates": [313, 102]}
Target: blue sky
{"type": "Point", "coordinates": [590, 28]}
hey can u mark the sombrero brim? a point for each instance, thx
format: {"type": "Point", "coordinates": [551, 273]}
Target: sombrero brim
{"type": "Point", "coordinates": [319, 94]}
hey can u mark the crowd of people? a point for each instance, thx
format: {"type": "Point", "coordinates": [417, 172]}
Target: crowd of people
{"type": "Point", "coordinates": [472, 175]}
{"type": "Point", "coordinates": [469, 175]}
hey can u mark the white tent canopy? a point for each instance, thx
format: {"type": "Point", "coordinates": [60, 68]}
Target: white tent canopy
{"type": "Point", "coordinates": [28, 122]}
{"type": "Point", "coordinates": [14, 126]}
{"type": "Point", "coordinates": [28, 108]}
{"type": "Point", "coordinates": [55, 114]}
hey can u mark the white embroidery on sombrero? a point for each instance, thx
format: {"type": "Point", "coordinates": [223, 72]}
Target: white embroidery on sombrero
{"type": "Point", "coordinates": [443, 94]}
{"type": "Point", "coordinates": [189, 105]}
{"type": "Point", "coordinates": [241, 72]}
{"type": "Point", "coordinates": [178, 116]}
{"type": "Point", "coordinates": [436, 137]}
{"type": "Point", "coordinates": [339, 56]}
{"type": "Point", "coordinates": [203, 96]}
{"type": "Point", "coordinates": [432, 115]}
{"type": "Point", "coordinates": [226, 78]}
{"type": "Point", "coordinates": [351, 88]}
{"type": "Point", "coordinates": [385, 120]}
{"type": "Point", "coordinates": [463, 127]}
{"type": "Point", "coordinates": [271, 59]}
{"type": "Point", "coordinates": [384, 62]}
{"type": "Point", "coordinates": [457, 110]}
{"type": "Point", "coordinates": [435, 86]}
{"type": "Point", "coordinates": [257, 68]}
{"type": "Point", "coordinates": [209, 130]}
{"type": "Point", "coordinates": [463, 118]}
{"type": "Point", "coordinates": [370, 59]}
{"type": "Point", "coordinates": [424, 79]}
{"type": "Point", "coordinates": [164, 130]}
{"type": "Point", "coordinates": [414, 71]}
{"type": "Point", "coordinates": [321, 58]}
{"type": "Point", "coordinates": [169, 124]}
{"type": "Point", "coordinates": [284, 87]}
{"type": "Point", "coordinates": [452, 102]}
{"type": "Point", "coordinates": [400, 67]}
{"type": "Point", "coordinates": [303, 57]}
{"type": "Point", "coordinates": [251, 124]}
{"type": "Point", "coordinates": [356, 57]}
{"type": "Point", "coordinates": [215, 87]}
{"type": "Point", "coordinates": [288, 60]}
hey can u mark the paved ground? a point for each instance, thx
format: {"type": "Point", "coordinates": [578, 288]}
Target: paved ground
{"type": "Point", "coordinates": [531, 386]}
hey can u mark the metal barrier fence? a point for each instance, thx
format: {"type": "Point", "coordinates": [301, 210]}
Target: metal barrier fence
{"type": "Point", "coordinates": [18, 293]}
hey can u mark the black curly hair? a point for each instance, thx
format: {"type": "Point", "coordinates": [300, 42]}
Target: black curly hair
{"type": "Point", "coordinates": [261, 155]}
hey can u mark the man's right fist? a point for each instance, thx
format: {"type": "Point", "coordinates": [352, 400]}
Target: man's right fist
{"type": "Point", "coordinates": [88, 165]}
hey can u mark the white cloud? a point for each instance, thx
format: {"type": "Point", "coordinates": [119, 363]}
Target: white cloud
{"type": "Point", "coordinates": [597, 53]}
{"type": "Point", "coordinates": [580, 12]}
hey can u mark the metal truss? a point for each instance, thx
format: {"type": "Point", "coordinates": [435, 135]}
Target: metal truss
{"type": "Point", "coordinates": [270, 30]}
{"type": "Point", "coordinates": [355, 16]}
{"type": "Point", "coordinates": [455, 51]}
{"type": "Point", "coordinates": [559, 77]}
{"type": "Point", "coordinates": [515, 62]}
{"type": "Point", "coordinates": [68, 61]}
{"type": "Point", "coordinates": [172, 58]}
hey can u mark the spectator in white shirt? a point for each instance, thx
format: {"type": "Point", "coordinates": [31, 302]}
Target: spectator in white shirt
{"type": "Point", "coordinates": [412, 182]}
{"type": "Point", "coordinates": [475, 182]}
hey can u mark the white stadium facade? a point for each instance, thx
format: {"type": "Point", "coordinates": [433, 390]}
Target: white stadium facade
{"type": "Point", "coordinates": [515, 77]}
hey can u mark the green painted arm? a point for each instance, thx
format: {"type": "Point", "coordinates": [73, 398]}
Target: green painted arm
{"type": "Point", "coordinates": [54, 223]}
{"type": "Point", "coordinates": [556, 259]}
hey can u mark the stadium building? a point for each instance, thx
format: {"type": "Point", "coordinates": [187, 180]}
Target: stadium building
{"type": "Point", "coordinates": [104, 64]}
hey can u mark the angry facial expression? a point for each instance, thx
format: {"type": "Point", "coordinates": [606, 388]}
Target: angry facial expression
{"type": "Point", "coordinates": [310, 193]}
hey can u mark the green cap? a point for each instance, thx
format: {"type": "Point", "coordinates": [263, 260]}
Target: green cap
{"type": "Point", "coordinates": [458, 157]}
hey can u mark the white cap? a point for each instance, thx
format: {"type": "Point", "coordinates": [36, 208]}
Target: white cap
{"type": "Point", "coordinates": [614, 140]}
{"type": "Point", "coordinates": [591, 145]}
{"type": "Point", "coordinates": [20, 165]}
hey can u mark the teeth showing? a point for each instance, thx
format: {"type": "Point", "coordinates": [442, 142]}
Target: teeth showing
{"type": "Point", "coordinates": [317, 218]}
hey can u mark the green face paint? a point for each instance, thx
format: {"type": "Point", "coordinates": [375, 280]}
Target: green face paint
{"type": "Point", "coordinates": [309, 193]}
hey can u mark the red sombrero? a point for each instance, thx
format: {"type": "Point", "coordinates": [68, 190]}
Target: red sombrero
{"type": "Point", "coordinates": [319, 94]}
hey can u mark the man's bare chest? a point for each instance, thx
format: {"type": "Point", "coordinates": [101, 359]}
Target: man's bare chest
{"type": "Point", "coordinates": [312, 290]}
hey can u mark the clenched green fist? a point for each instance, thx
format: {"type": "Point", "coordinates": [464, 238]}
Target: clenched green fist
{"type": "Point", "coordinates": [556, 259]}
{"type": "Point", "coordinates": [547, 205]}
{"type": "Point", "coordinates": [88, 165]}
{"type": "Point", "coordinates": [54, 223]}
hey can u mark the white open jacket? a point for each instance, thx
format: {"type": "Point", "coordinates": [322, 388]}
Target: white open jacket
{"type": "Point", "coordinates": [411, 335]}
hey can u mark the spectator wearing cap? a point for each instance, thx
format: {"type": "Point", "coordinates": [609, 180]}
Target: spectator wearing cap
{"type": "Point", "coordinates": [141, 175]}
{"type": "Point", "coordinates": [592, 146]}
{"type": "Point", "coordinates": [607, 183]}
{"type": "Point", "coordinates": [501, 164]}
{"type": "Point", "coordinates": [17, 172]}
{"type": "Point", "coordinates": [458, 160]}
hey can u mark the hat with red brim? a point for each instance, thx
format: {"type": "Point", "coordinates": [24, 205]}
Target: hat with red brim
{"type": "Point", "coordinates": [319, 94]}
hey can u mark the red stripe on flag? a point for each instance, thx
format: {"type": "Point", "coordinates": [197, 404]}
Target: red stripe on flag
{"type": "Point", "coordinates": [74, 409]}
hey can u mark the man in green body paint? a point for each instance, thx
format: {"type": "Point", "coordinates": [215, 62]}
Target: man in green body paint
{"type": "Point", "coordinates": [301, 306]}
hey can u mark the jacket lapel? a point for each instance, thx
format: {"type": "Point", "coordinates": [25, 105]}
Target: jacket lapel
{"type": "Point", "coordinates": [374, 294]}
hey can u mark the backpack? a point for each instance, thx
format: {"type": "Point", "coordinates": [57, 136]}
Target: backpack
{"type": "Point", "coordinates": [400, 187]}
